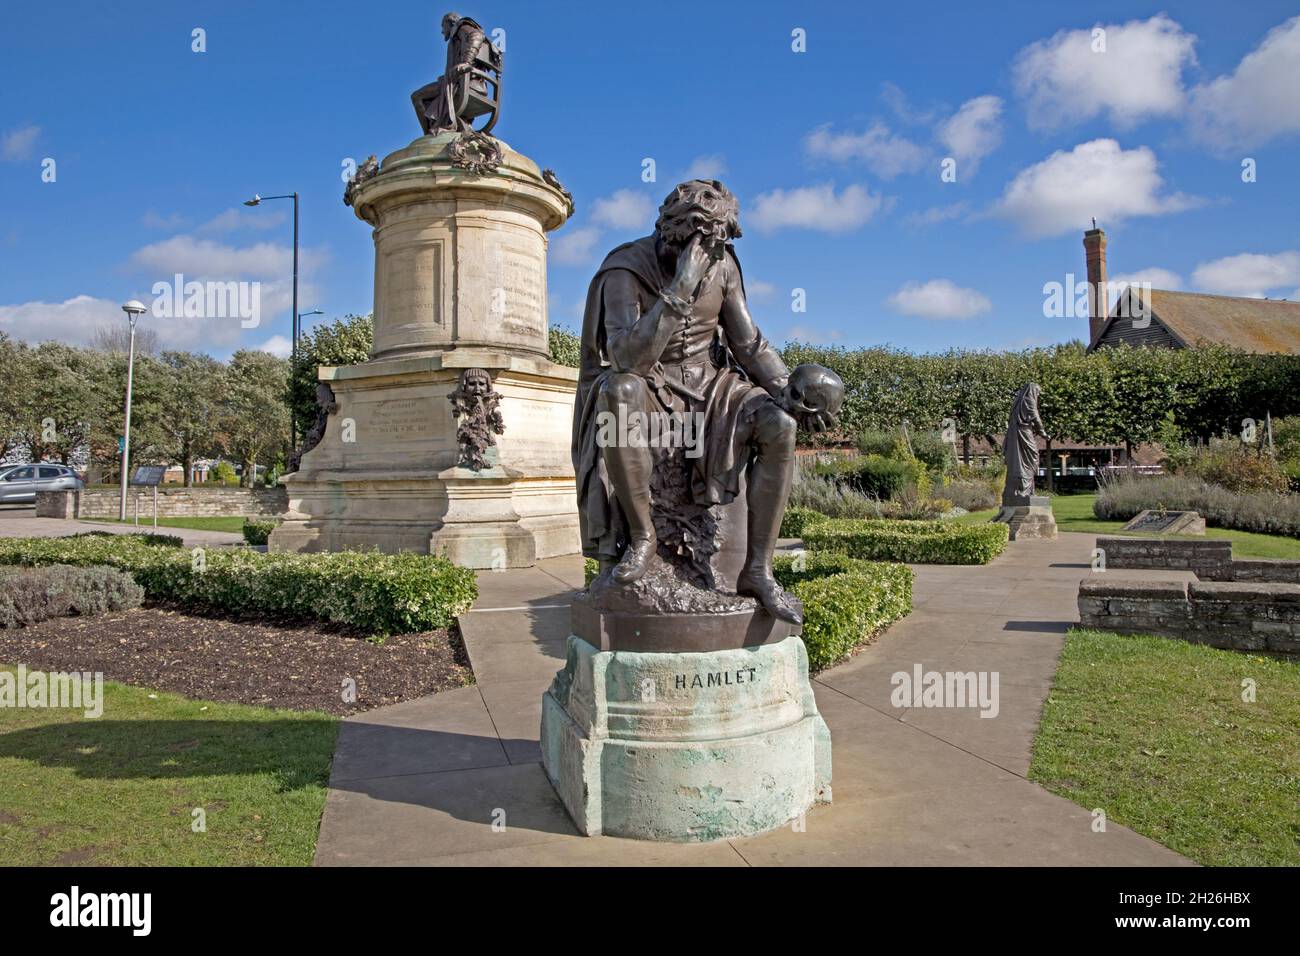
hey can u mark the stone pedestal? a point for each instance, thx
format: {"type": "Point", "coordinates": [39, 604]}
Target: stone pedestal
{"type": "Point", "coordinates": [685, 747]}
{"type": "Point", "coordinates": [460, 282]}
{"type": "Point", "coordinates": [1031, 520]}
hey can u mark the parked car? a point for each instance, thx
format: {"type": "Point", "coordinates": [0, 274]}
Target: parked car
{"type": "Point", "coordinates": [19, 483]}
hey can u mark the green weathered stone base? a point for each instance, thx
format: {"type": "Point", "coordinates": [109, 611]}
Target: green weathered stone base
{"type": "Point", "coordinates": [685, 747]}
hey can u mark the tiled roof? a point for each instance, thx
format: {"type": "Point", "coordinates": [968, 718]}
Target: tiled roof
{"type": "Point", "coordinates": [1253, 325]}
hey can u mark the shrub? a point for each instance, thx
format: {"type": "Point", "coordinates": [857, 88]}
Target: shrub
{"type": "Point", "coordinates": [258, 530]}
{"type": "Point", "coordinates": [795, 519]}
{"type": "Point", "coordinates": [826, 496]}
{"type": "Point", "coordinates": [846, 601]}
{"type": "Point", "coordinates": [151, 538]}
{"type": "Point", "coordinates": [223, 472]}
{"type": "Point", "coordinates": [914, 542]}
{"type": "Point", "coordinates": [1124, 495]}
{"type": "Point", "coordinates": [972, 495]}
{"type": "Point", "coordinates": [881, 477]}
{"type": "Point", "coordinates": [1231, 464]}
{"type": "Point", "coordinates": [938, 455]}
{"type": "Point", "coordinates": [30, 595]}
{"type": "Point", "coordinates": [875, 441]}
{"type": "Point", "coordinates": [376, 593]}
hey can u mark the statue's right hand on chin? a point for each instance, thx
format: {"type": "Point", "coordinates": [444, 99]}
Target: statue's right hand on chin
{"type": "Point", "coordinates": [693, 264]}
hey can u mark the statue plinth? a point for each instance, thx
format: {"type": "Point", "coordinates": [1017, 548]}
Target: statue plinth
{"type": "Point", "coordinates": [1028, 518]}
{"type": "Point", "coordinates": [685, 747]}
{"type": "Point", "coordinates": [460, 282]}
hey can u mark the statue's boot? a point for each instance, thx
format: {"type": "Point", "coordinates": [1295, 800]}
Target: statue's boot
{"type": "Point", "coordinates": [629, 473]}
{"type": "Point", "coordinates": [768, 490]}
{"type": "Point", "coordinates": [641, 541]}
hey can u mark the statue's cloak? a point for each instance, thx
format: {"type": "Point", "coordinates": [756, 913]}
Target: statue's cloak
{"type": "Point", "coordinates": [717, 472]}
{"type": "Point", "coordinates": [1021, 446]}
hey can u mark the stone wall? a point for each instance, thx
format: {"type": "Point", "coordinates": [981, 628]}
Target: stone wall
{"type": "Point", "coordinates": [1208, 559]}
{"type": "Point", "coordinates": [172, 502]}
{"type": "Point", "coordinates": [1236, 615]}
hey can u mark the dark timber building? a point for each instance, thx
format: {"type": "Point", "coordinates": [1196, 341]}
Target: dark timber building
{"type": "Point", "coordinates": [1176, 320]}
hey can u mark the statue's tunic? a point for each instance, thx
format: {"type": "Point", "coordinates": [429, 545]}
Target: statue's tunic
{"type": "Point", "coordinates": [698, 356]}
{"type": "Point", "coordinates": [1021, 446]}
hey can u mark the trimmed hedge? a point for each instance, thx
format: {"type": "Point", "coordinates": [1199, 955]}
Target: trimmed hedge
{"type": "Point", "coordinates": [795, 519]}
{"type": "Point", "coordinates": [846, 601]}
{"type": "Point", "coordinates": [912, 542]}
{"type": "Point", "coordinates": [376, 593]}
{"type": "Point", "coordinates": [31, 595]}
{"type": "Point", "coordinates": [258, 530]}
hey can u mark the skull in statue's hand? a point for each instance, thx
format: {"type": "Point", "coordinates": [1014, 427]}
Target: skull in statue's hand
{"type": "Point", "coordinates": [813, 395]}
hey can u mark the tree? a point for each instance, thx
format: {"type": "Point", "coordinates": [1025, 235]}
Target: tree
{"type": "Point", "coordinates": [253, 419]}
{"type": "Point", "coordinates": [116, 337]}
{"type": "Point", "coordinates": [195, 384]}
{"type": "Point", "coordinates": [61, 401]}
{"type": "Point", "coordinates": [15, 373]}
{"type": "Point", "coordinates": [345, 341]}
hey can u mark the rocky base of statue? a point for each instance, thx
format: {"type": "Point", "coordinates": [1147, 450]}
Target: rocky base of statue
{"type": "Point", "coordinates": [685, 747]}
{"type": "Point", "coordinates": [666, 611]}
{"type": "Point", "coordinates": [1031, 520]}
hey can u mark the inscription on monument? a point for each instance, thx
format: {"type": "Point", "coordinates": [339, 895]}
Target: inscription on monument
{"type": "Point", "coordinates": [744, 675]}
{"type": "Point", "coordinates": [401, 418]}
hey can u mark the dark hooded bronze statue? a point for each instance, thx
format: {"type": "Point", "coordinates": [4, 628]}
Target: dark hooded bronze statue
{"type": "Point", "coordinates": [1021, 446]}
{"type": "Point", "coordinates": [667, 332]}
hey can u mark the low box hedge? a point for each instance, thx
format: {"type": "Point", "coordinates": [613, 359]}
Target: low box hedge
{"type": "Point", "coordinates": [378, 594]}
{"type": "Point", "coordinates": [258, 530]}
{"type": "Point", "coordinates": [846, 601]}
{"type": "Point", "coordinates": [794, 520]}
{"type": "Point", "coordinates": [912, 542]}
{"type": "Point", "coordinates": [31, 595]}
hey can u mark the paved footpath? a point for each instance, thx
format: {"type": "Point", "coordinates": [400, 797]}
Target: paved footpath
{"type": "Point", "coordinates": [21, 522]}
{"type": "Point", "coordinates": [423, 782]}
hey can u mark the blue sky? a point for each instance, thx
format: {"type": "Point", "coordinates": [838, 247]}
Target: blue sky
{"type": "Point", "coordinates": [836, 152]}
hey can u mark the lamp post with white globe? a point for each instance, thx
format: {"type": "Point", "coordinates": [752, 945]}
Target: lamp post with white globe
{"type": "Point", "coordinates": [133, 309]}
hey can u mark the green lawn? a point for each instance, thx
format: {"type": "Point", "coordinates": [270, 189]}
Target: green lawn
{"type": "Point", "coordinates": [1155, 732]}
{"type": "Point", "coordinates": [193, 524]}
{"type": "Point", "coordinates": [121, 789]}
{"type": "Point", "coordinates": [1074, 513]}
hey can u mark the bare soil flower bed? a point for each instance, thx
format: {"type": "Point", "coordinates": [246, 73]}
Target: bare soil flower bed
{"type": "Point", "coordinates": [266, 663]}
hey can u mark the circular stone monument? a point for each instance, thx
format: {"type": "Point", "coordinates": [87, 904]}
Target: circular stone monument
{"type": "Point", "coordinates": [460, 222]}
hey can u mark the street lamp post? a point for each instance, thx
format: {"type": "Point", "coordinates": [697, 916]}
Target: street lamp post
{"type": "Point", "coordinates": [257, 201]}
{"type": "Point", "coordinates": [133, 310]}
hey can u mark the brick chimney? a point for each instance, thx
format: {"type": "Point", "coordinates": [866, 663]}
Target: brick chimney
{"type": "Point", "coordinates": [1094, 247]}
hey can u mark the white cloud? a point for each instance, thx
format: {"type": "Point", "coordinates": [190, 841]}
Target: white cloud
{"type": "Point", "coordinates": [1098, 179]}
{"type": "Point", "coordinates": [1156, 277]}
{"type": "Point", "coordinates": [815, 207]}
{"type": "Point", "coordinates": [16, 145]}
{"type": "Point", "coordinates": [1066, 81]}
{"type": "Point", "coordinates": [575, 247]}
{"type": "Point", "coordinates": [973, 132]}
{"type": "Point", "coordinates": [75, 321]}
{"type": "Point", "coordinates": [939, 299]}
{"type": "Point", "coordinates": [168, 223]}
{"type": "Point", "coordinates": [236, 219]}
{"type": "Point", "coordinates": [207, 258]}
{"type": "Point", "coordinates": [938, 214]}
{"type": "Point", "coordinates": [280, 346]}
{"type": "Point", "coordinates": [882, 152]}
{"type": "Point", "coordinates": [758, 289]}
{"type": "Point", "coordinates": [1256, 102]}
{"type": "Point", "coordinates": [713, 166]}
{"type": "Point", "coordinates": [625, 209]}
{"type": "Point", "coordinates": [1248, 274]}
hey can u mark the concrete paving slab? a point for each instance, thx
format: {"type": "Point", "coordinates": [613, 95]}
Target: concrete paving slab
{"type": "Point", "coordinates": [912, 786]}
